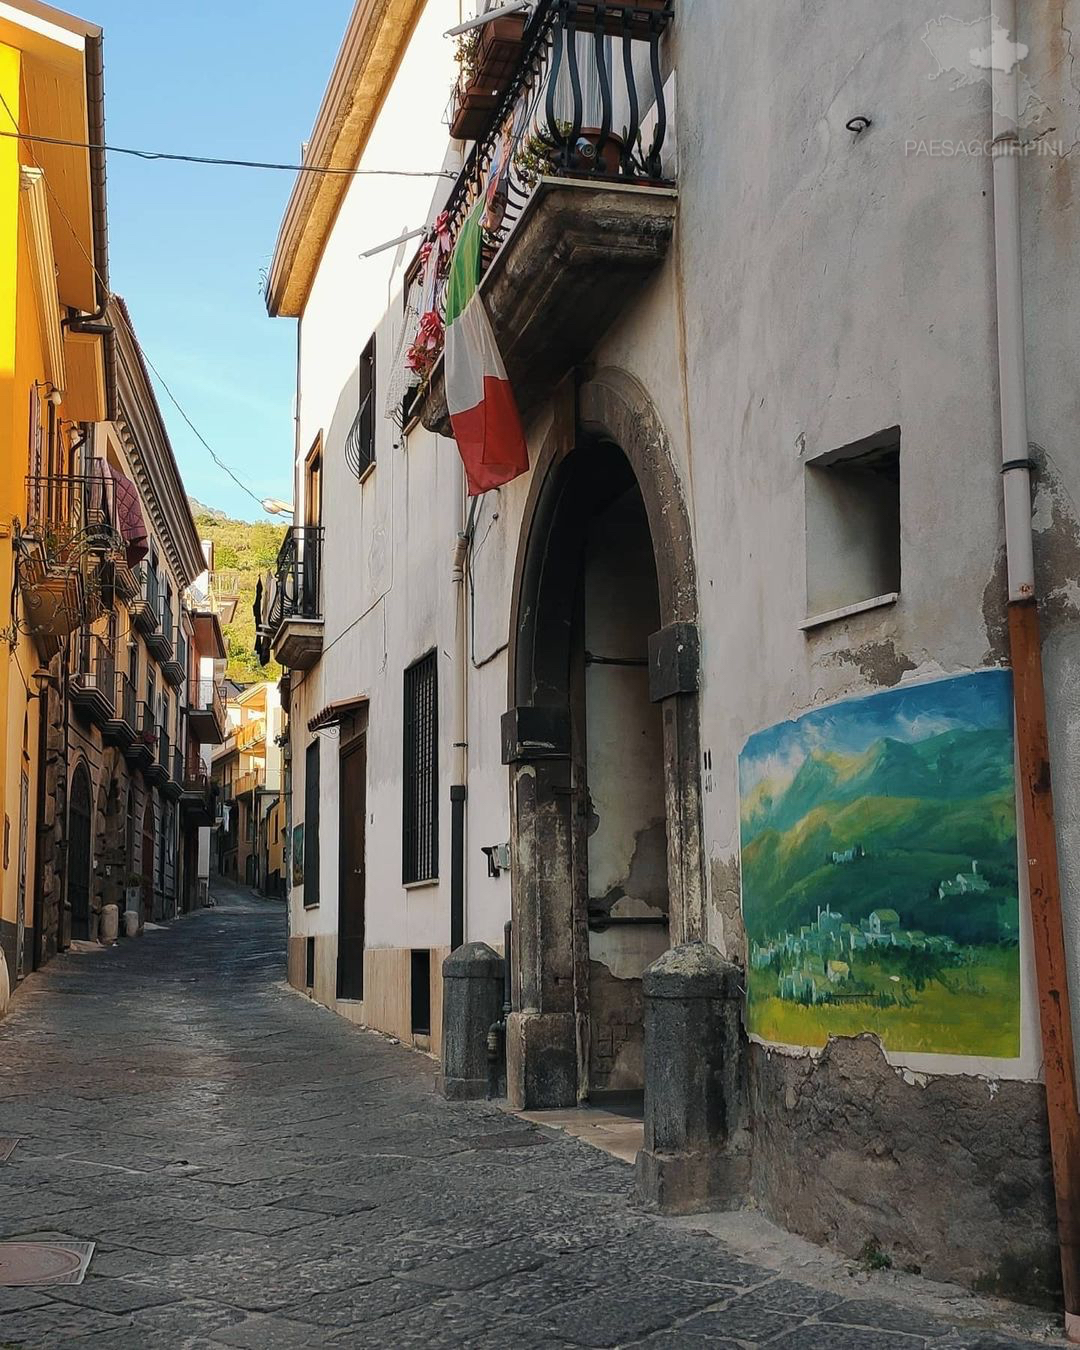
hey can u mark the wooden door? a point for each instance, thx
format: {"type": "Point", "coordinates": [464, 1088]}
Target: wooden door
{"type": "Point", "coordinates": [148, 861]}
{"type": "Point", "coordinates": [79, 854]}
{"type": "Point", "coordinates": [352, 797]}
{"type": "Point", "coordinates": [24, 824]}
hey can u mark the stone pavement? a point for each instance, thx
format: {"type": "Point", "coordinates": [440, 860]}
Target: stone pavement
{"type": "Point", "coordinates": [257, 1173]}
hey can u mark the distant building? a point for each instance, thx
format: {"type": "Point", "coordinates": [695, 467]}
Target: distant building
{"type": "Point", "coordinates": [965, 883]}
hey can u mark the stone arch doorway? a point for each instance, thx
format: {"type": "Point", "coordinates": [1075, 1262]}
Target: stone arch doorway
{"type": "Point", "coordinates": [602, 742]}
{"type": "Point", "coordinates": [79, 841]}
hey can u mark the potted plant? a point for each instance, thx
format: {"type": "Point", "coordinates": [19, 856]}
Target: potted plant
{"type": "Point", "coordinates": [499, 49]}
{"type": "Point", "coordinates": [644, 10]}
{"type": "Point", "coordinates": [487, 58]}
{"type": "Point", "coordinates": [537, 155]}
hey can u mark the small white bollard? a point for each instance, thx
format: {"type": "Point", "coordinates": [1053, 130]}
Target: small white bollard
{"type": "Point", "coordinates": [131, 923]}
{"type": "Point", "coordinates": [110, 924]}
{"type": "Point", "coordinates": [5, 985]}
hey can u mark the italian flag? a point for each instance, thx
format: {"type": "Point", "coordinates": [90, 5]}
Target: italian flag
{"type": "Point", "coordinates": [483, 413]}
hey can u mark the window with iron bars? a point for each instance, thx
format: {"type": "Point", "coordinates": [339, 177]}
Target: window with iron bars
{"type": "Point", "coordinates": [420, 788]}
{"type": "Point", "coordinates": [360, 443]}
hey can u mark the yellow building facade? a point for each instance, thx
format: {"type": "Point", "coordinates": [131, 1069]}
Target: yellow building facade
{"type": "Point", "coordinates": [53, 383]}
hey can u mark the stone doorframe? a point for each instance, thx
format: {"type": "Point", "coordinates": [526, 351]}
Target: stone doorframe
{"type": "Point", "coordinates": [548, 813]}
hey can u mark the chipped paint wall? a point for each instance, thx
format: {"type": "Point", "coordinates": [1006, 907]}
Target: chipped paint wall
{"type": "Point", "coordinates": [627, 849]}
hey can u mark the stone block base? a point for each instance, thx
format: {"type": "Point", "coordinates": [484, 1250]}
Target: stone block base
{"type": "Point", "coordinates": [541, 1061]}
{"type": "Point", "coordinates": [691, 1183]}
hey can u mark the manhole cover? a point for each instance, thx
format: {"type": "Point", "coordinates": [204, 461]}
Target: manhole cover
{"type": "Point", "coordinates": [509, 1139]}
{"type": "Point", "coordinates": [7, 1147]}
{"type": "Point", "coordinates": [33, 1263]}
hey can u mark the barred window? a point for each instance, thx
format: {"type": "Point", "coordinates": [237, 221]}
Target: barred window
{"type": "Point", "coordinates": [360, 443]}
{"type": "Point", "coordinates": [420, 799]}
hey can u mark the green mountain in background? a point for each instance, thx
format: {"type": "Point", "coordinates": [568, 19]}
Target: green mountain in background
{"type": "Point", "coordinates": [921, 813]}
{"type": "Point", "coordinates": [247, 549]}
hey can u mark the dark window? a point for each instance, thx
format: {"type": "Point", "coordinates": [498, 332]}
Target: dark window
{"type": "Point", "coordinates": [421, 992]}
{"type": "Point", "coordinates": [309, 972]}
{"type": "Point", "coordinates": [360, 444]}
{"type": "Point", "coordinates": [420, 805]}
{"type": "Point", "coordinates": [311, 825]}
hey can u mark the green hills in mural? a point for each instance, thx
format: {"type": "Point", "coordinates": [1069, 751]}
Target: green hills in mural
{"type": "Point", "coordinates": [900, 807]}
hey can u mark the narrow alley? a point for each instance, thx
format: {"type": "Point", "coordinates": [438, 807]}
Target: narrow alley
{"type": "Point", "coordinates": [253, 1171]}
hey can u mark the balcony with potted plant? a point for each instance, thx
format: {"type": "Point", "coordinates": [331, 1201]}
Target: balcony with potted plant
{"type": "Point", "coordinates": [574, 175]}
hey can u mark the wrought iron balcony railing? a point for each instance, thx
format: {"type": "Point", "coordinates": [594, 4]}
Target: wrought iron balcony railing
{"type": "Point", "coordinates": [177, 774]}
{"type": "Point", "coordinates": [299, 571]}
{"type": "Point", "coordinates": [585, 99]}
{"type": "Point", "coordinates": [125, 700]}
{"type": "Point", "coordinates": [95, 665]}
{"type": "Point", "coordinates": [72, 515]}
{"type": "Point", "coordinates": [205, 696]}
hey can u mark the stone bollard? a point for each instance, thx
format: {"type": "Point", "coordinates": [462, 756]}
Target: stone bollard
{"type": "Point", "coordinates": [695, 1155]}
{"type": "Point", "coordinates": [472, 1002]}
{"type": "Point", "coordinates": [110, 925]}
{"type": "Point", "coordinates": [131, 923]}
{"type": "Point", "coordinates": [5, 984]}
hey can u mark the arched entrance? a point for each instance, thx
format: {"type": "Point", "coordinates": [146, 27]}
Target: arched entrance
{"type": "Point", "coordinates": [148, 834]}
{"type": "Point", "coordinates": [79, 837]}
{"type": "Point", "coordinates": [602, 740]}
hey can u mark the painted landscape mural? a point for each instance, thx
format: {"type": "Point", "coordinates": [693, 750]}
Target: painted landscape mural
{"type": "Point", "coordinates": [879, 871]}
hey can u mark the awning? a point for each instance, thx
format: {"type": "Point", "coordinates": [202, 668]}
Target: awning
{"type": "Point", "coordinates": [336, 713]}
{"type": "Point", "coordinates": [130, 521]}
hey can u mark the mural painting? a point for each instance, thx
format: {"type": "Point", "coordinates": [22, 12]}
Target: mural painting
{"type": "Point", "coordinates": [879, 871]}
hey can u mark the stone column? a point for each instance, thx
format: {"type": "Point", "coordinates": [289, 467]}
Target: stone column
{"type": "Point", "coordinates": [695, 1155]}
{"type": "Point", "coordinates": [472, 1002]}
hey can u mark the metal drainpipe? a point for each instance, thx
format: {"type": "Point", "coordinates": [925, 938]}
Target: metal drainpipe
{"type": "Point", "coordinates": [1059, 1060]}
{"type": "Point", "coordinates": [459, 782]}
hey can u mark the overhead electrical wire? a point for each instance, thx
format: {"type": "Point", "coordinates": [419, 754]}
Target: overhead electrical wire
{"type": "Point", "coordinates": [138, 346]}
{"type": "Point", "coordinates": [229, 163]}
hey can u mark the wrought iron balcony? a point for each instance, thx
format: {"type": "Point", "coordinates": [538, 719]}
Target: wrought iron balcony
{"type": "Point", "coordinates": [157, 771]}
{"type": "Point", "coordinates": [574, 164]}
{"type": "Point", "coordinates": [206, 712]}
{"type": "Point", "coordinates": [293, 626]}
{"type": "Point", "coordinates": [174, 785]}
{"type": "Point", "coordinates": [143, 747]}
{"type": "Point", "coordinates": [160, 638]}
{"type": "Point", "coordinates": [121, 727]}
{"type": "Point", "coordinates": [199, 798]}
{"type": "Point", "coordinates": [146, 608]}
{"type": "Point", "coordinates": [175, 665]}
{"type": "Point", "coordinates": [69, 534]}
{"type": "Point", "coordinates": [93, 682]}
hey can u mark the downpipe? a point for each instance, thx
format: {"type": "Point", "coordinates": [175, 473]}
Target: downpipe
{"type": "Point", "coordinates": [1029, 690]}
{"type": "Point", "coordinates": [459, 741]}
{"type": "Point", "coordinates": [496, 1037]}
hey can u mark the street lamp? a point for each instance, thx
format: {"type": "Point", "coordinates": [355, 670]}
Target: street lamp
{"type": "Point", "coordinates": [273, 507]}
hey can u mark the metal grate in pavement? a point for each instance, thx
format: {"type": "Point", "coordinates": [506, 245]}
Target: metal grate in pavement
{"type": "Point", "coordinates": [7, 1147]}
{"type": "Point", "coordinates": [41, 1263]}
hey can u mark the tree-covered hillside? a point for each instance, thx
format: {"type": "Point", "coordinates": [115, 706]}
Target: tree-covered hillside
{"type": "Point", "coordinates": [248, 549]}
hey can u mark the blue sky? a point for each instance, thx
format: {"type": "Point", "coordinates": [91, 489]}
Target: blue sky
{"type": "Point", "coordinates": [912, 713]}
{"type": "Point", "coordinates": [188, 244]}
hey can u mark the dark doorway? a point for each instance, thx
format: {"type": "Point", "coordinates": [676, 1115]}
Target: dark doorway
{"type": "Point", "coordinates": [352, 792]}
{"type": "Point", "coordinates": [420, 993]}
{"type": "Point", "coordinates": [79, 830]}
{"type": "Point", "coordinates": [148, 860]}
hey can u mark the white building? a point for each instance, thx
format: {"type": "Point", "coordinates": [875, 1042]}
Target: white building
{"type": "Point", "coordinates": [759, 378]}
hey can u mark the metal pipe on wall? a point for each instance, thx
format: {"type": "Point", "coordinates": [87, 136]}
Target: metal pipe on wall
{"type": "Point", "coordinates": [458, 729]}
{"type": "Point", "coordinates": [1044, 885]}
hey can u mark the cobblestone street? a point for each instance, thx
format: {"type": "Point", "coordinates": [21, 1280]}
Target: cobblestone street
{"type": "Point", "coordinates": [257, 1173]}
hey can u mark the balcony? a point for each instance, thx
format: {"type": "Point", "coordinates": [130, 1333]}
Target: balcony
{"type": "Point", "coordinates": [293, 627]}
{"type": "Point", "coordinates": [206, 712]}
{"type": "Point", "coordinates": [173, 787]}
{"type": "Point", "coordinates": [160, 638]}
{"type": "Point", "coordinates": [250, 734]}
{"type": "Point", "coordinates": [62, 548]}
{"type": "Point", "coordinates": [143, 746]}
{"type": "Point", "coordinates": [175, 667]}
{"type": "Point", "coordinates": [157, 771]}
{"type": "Point", "coordinates": [93, 682]}
{"type": "Point", "coordinates": [198, 800]}
{"type": "Point", "coordinates": [583, 212]}
{"type": "Point", "coordinates": [121, 727]}
{"type": "Point", "coordinates": [146, 608]}
{"type": "Point", "coordinates": [248, 782]}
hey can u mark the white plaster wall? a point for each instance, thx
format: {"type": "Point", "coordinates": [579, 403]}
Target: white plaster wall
{"type": "Point", "coordinates": [820, 288]}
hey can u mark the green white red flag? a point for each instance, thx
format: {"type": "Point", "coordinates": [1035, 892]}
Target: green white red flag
{"type": "Point", "coordinates": [483, 411]}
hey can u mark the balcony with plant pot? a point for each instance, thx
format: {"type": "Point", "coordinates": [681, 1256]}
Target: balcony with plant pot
{"type": "Point", "coordinates": [575, 167]}
{"type": "Point", "coordinates": [65, 548]}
